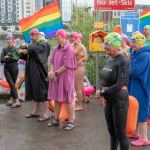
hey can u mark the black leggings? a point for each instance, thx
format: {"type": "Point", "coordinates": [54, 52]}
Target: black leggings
{"type": "Point", "coordinates": [116, 116]}
{"type": "Point", "coordinates": [11, 75]}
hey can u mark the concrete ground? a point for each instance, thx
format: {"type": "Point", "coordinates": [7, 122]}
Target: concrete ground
{"type": "Point", "coordinates": [19, 133]}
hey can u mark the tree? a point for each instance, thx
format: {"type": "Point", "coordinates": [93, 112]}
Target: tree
{"type": "Point", "coordinates": [82, 22]}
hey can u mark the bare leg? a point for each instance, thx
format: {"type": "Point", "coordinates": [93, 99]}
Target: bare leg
{"type": "Point", "coordinates": [71, 112]}
{"type": "Point", "coordinates": [79, 77]}
{"type": "Point", "coordinates": [57, 110]}
{"type": "Point", "coordinates": [143, 130]}
{"type": "Point", "coordinates": [73, 103]}
{"type": "Point", "coordinates": [46, 109]}
{"type": "Point", "coordinates": [137, 129]}
{"type": "Point", "coordinates": [35, 108]}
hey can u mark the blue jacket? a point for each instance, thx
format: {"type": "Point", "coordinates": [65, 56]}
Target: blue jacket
{"type": "Point", "coordinates": [139, 79]}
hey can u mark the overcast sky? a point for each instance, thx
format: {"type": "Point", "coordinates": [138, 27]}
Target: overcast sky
{"type": "Point", "coordinates": [147, 2]}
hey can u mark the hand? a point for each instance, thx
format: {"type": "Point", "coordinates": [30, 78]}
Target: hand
{"type": "Point", "coordinates": [6, 57]}
{"type": "Point", "coordinates": [102, 101]}
{"type": "Point", "coordinates": [51, 74]}
{"type": "Point", "coordinates": [24, 46]}
{"type": "Point", "coordinates": [25, 51]}
{"type": "Point", "coordinates": [97, 93]}
{"type": "Point", "coordinates": [19, 51]}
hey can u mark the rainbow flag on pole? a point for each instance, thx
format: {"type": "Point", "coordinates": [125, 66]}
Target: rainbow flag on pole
{"type": "Point", "coordinates": [145, 18]}
{"type": "Point", "coordinates": [47, 20]}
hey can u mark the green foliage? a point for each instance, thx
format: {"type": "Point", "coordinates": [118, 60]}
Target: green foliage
{"type": "Point", "coordinates": [83, 22]}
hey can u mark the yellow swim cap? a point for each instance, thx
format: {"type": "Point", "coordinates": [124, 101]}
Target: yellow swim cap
{"type": "Point", "coordinates": [114, 38]}
{"type": "Point", "coordinates": [139, 37]}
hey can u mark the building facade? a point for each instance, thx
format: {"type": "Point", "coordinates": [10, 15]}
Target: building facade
{"type": "Point", "coordinates": [65, 7]}
{"type": "Point", "coordinates": [13, 10]}
{"type": "Point", "coordinates": [38, 4]}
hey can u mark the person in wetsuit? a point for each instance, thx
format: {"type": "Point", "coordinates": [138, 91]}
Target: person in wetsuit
{"type": "Point", "coordinates": [113, 91]}
{"type": "Point", "coordinates": [11, 70]}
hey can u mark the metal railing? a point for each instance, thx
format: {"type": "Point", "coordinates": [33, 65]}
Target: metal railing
{"type": "Point", "coordinates": [94, 66]}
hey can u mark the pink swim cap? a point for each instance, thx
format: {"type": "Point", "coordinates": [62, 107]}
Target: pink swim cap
{"type": "Point", "coordinates": [76, 36]}
{"type": "Point", "coordinates": [80, 36]}
{"type": "Point", "coordinates": [34, 32]}
{"type": "Point", "coordinates": [62, 33]}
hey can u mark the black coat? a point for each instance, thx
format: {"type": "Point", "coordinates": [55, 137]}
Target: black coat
{"type": "Point", "coordinates": [36, 84]}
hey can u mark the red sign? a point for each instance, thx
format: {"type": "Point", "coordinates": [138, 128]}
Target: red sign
{"type": "Point", "coordinates": [114, 4]}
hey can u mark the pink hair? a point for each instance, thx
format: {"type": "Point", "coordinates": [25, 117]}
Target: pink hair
{"type": "Point", "coordinates": [62, 33]}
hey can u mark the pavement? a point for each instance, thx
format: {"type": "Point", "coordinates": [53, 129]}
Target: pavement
{"type": "Point", "coordinates": [19, 133]}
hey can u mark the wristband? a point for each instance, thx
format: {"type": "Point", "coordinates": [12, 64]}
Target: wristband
{"type": "Point", "coordinates": [56, 74]}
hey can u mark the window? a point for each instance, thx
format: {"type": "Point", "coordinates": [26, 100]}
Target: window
{"type": "Point", "coordinates": [27, 7]}
{"type": "Point", "coordinates": [28, 11]}
{"type": "Point", "coordinates": [27, 3]}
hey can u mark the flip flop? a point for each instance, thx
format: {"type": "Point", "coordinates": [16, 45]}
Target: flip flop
{"type": "Point", "coordinates": [32, 116]}
{"type": "Point", "coordinates": [79, 109]}
{"type": "Point", "coordinates": [140, 142]}
{"type": "Point", "coordinates": [41, 119]}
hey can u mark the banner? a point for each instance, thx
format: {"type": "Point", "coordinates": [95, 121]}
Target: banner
{"type": "Point", "coordinates": [114, 4]}
{"type": "Point", "coordinates": [130, 22]}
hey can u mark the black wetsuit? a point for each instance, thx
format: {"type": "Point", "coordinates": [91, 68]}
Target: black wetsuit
{"type": "Point", "coordinates": [114, 77]}
{"type": "Point", "coordinates": [10, 69]}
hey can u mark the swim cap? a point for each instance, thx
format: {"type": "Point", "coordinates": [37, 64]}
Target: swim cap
{"type": "Point", "coordinates": [10, 36]}
{"type": "Point", "coordinates": [139, 37]}
{"type": "Point", "coordinates": [42, 34]}
{"type": "Point", "coordinates": [114, 38]}
{"type": "Point", "coordinates": [34, 32]}
{"type": "Point", "coordinates": [147, 27]}
{"type": "Point", "coordinates": [118, 29]}
{"type": "Point", "coordinates": [62, 33]}
{"type": "Point", "coordinates": [76, 36]}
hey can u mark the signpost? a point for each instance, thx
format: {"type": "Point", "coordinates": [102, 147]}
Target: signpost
{"type": "Point", "coordinates": [99, 25]}
{"type": "Point", "coordinates": [114, 4]}
{"type": "Point", "coordinates": [130, 22]}
{"type": "Point", "coordinates": [110, 5]}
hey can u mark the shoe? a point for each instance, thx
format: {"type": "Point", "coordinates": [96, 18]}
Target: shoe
{"type": "Point", "coordinates": [41, 119]}
{"type": "Point", "coordinates": [62, 125]}
{"type": "Point", "coordinates": [32, 116]}
{"type": "Point", "coordinates": [15, 105]}
{"type": "Point", "coordinates": [54, 122]}
{"type": "Point", "coordinates": [136, 136]}
{"type": "Point", "coordinates": [140, 142]}
{"type": "Point", "coordinates": [9, 102]}
{"type": "Point", "coordinates": [69, 126]}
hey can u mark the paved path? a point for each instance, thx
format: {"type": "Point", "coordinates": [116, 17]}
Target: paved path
{"type": "Point", "coordinates": [19, 133]}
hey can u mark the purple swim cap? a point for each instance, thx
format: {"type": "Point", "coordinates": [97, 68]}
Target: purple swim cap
{"type": "Point", "coordinates": [10, 36]}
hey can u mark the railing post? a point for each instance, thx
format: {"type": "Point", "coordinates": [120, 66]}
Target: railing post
{"type": "Point", "coordinates": [97, 70]}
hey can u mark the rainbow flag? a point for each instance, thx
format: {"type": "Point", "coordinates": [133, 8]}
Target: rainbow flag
{"type": "Point", "coordinates": [144, 19]}
{"type": "Point", "coordinates": [47, 20]}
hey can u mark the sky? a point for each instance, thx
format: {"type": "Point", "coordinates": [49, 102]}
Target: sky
{"type": "Point", "coordinates": [90, 2]}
